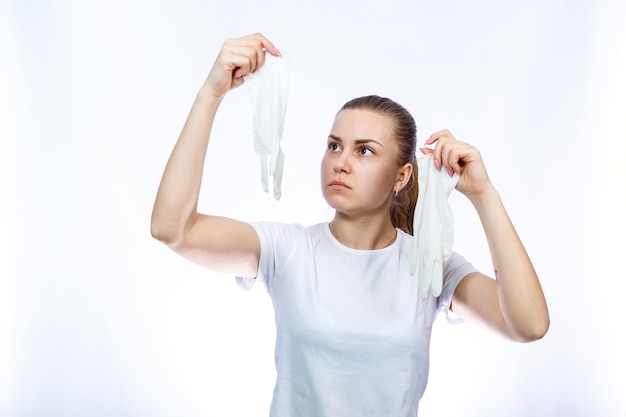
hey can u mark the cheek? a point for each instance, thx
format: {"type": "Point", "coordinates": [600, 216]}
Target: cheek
{"type": "Point", "coordinates": [381, 179]}
{"type": "Point", "coordinates": [379, 185]}
{"type": "Point", "coordinates": [326, 164]}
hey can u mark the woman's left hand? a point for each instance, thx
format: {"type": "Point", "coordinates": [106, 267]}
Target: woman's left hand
{"type": "Point", "coordinates": [462, 158]}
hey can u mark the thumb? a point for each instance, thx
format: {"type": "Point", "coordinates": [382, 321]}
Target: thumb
{"type": "Point", "coordinates": [237, 81]}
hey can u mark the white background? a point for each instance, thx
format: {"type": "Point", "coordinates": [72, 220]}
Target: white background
{"type": "Point", "coordinates": [99, 319]}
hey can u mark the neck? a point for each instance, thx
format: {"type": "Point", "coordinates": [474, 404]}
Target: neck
{"type": "Point", "coordinates": [363, 234]}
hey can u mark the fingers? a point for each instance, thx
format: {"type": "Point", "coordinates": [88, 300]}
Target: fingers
{"type": "Point", "coordinates": [448, 152]}
{"type": "Point", "coordinates": [267, 45]}
{"type": "Point", "coordinates": [244, 60]}
{"type": "Point", "coordinates": [246, 54]}
{"type": "Point", "coordinates": [237, 58]}
{"type": "Point", "coordinates": [440, 153]}
{"type": "Point", "coordinates": [439, 135]}
{"type": "Point", "coordinates": [426, 151]}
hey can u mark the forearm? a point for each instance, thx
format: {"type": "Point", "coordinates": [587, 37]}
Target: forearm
{"type": "Point", "coordinates": [521, 298]}
{"type": "Point", "coordinates": [176, 200]}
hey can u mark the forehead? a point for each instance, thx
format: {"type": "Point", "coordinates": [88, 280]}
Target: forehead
{"type": "Point", "coordinates": [363, 124]}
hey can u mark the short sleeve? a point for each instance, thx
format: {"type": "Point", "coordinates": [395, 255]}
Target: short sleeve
{"type": "Point", "coordinates": [277, 241]}
{"type": "Point", "coordinates": [454, 270]}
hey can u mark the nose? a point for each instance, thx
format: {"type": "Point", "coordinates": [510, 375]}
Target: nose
{"type": "Point", "coordinates": [342, 163]}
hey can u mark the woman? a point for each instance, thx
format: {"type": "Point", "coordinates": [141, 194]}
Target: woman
{"type": "Point", "coordinates": [352, 333]}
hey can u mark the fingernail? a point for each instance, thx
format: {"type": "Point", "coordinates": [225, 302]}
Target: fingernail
{"type": "Point", "coordinates": [437, 165]}
{"type": "Point", "coordinates": [451, 172]}
{"type": "Point", "coordinates": [276, 52]}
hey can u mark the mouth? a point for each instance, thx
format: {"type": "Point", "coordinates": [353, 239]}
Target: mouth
{"type": "Point", "coordinates": [339, 185]}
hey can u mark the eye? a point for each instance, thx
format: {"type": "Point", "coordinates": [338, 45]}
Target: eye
{"type": "Point", "coordinates": [334, 146]}
{"type": "Point", "coordinates": [365, 151]}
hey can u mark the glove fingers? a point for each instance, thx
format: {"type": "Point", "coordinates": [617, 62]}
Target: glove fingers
{"type": "Point", "coordinates": [436, 283]}
{"type": "Point", "coordinates": [425, 276]}
{"type": "Point", "coordinates": [277, 174]}
{"type": "Point", "coordinates": [268, 91]}
{"type": "Point", "coordinates": [264, 173]}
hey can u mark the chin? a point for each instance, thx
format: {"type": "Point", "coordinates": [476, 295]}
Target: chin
{"type": "Point", "coordinates": [336, 202]}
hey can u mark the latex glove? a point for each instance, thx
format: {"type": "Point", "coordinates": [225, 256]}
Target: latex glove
{"type": "Point", "coordinates": [433, 226]}
{"type": "Point", "coordinates": [268, 90]}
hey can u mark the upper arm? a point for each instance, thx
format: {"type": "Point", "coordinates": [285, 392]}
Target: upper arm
{"type": "Point", "coordinates": [221, 244]}
{"type": "Point", "coordinates": [476, 300]}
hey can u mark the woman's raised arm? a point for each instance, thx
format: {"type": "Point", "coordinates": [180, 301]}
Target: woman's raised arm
{"type": "Point", "coordinates": [218, 243]}
{"type": "Point", "coordinates": [513, 304]}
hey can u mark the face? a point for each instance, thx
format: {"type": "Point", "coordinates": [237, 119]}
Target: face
{"type": "Point", "coordinates": [359, 170]}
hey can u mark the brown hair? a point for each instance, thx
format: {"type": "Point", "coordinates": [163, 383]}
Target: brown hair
{"type": "Point", "coordinates": [402, 205]}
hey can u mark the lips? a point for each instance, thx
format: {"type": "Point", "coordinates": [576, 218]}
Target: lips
{"type": "Point", "coordinates": [339, 185]}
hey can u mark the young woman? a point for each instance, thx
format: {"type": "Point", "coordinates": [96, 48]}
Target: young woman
{"type": "Point", "coordinates": [352, 333]}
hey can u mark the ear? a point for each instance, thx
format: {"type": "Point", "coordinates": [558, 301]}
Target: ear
{"type": "Point", "coordinates": [404, 175]}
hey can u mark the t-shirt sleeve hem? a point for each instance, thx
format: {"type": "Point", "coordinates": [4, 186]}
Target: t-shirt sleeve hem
{"type": "Point", "coordinates": [456, 269]}
{"type": "Point", "coordinates": [245, 283]}
{"type": "Point", "coordinates": [276, 240]}
{"type": "Point", "coordinates": [451, 316]}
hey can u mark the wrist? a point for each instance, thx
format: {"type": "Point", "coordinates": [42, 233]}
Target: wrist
{"type": "Point", "coordinates": [485, 198]}
{"type": "Point", "coordinates": [208, 94]}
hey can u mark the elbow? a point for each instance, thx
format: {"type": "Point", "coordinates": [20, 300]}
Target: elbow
{"type": "Point", "coordinates": [159, 234]}
{"type": "Point", "coordinates": [165, 231]}
{"type": "Point", "coordinates": [534, 332]}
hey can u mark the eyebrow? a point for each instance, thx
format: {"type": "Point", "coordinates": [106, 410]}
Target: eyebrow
{"type": "Point", "coordinates": [358, 141]}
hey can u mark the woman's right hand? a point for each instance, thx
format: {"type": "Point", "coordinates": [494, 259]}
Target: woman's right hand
{"type": "Point", "coordinates": [237, 58]}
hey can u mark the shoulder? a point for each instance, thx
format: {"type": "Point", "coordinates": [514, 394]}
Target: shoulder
{"type": "Point", "coordinates": [279, 228]}
{"type": "Point", "coordinates": [457, 265]}
{"type": "Point", "coordinates": [281, 244]}
{"type": "Point", "coordinates": [286, 234]}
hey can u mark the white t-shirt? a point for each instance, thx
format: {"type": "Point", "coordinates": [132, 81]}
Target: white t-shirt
{"type": "Point", "coordinates": [352, 333]}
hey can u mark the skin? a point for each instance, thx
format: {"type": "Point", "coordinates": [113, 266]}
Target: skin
{"type": "Point", "coordinates": [359, 175]}
{"type": "Point", "coordinates": [513, 305]}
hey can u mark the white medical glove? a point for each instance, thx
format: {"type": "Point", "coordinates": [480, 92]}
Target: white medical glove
{"type": "Point", "coordinates": [433, 226]}
{"type": "Point", "coordinates": [268, 90]}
